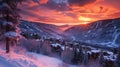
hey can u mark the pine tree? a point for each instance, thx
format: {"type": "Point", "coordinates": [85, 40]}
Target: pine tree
{"type": "Point", "coordinates": [80, 53]}
{"type": "Point", "coordinates": [46, 49]}
{"type": "Point", "coordinates": [9, 14]}
{"type": "Point", "coordinates": [101, 59]}
{"type": "Point", "coordinates": [117, 62]}
{"type": "Point", "coordinates": [75, 58]}
{"type": "Point", "coordinates": [67, 55]}
{"type": "Point", "coordinates": [85, 57]}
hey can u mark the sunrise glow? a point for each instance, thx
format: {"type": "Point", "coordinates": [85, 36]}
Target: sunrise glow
{"type": "Point", "coordinates": [71, 12]}
{"type": "Point", "coordinates": [84, 19]}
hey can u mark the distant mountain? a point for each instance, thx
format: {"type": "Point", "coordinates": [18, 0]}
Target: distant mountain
{"type": "Point", "coordinates": [101, 32]}
{"type": "Point", "coordinates": [39, 29]}
{"type": "Point", "coordinates": [105, 32]}
{"type": "Point", "coordinates": [65, 27]}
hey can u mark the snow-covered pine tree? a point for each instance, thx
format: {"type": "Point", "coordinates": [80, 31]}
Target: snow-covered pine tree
{"type": "Point", "coordinates": [117, 62]}
{"type": "Point", "coordinates": [10, 17]}
{"type": "Point", "coordinates": [46, 49]}
{"type": "Point", "coordinates": [76, 57]}
{"type": "Point", "coordinates": [85, 57]}
{"type": "Point", "coordinates": [80, 54]}
{"type": "Point", "coordinates": [101, 58]}
{"type": "Point", "coordinates": [67, 55]}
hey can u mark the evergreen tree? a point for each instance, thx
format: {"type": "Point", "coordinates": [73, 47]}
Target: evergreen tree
{"type": "Point", "coordinates": [101, 59]}
{"type": "Point", "coordinates": [46, 49]}
{"type": "Point", "coordinates": [80, 54]}
{"type": "Point", "coordinates": [85, 57]}
{"type": "Point", "coordinates": [9, 14]}
{"type": "Point", "coordinates": [75, 58]}
{"type": "Point", "coordinates": [67, 55]}
{"type": "Point", "coordinates": [117, 62]}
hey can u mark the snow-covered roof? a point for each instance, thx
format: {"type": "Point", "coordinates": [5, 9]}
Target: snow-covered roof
{"type": "Point", "coordinates": [62, 47]}
{"type": "Point", "coordinates": [95, 51]}
{"type": "Point", "coordinates": [111, 53]}
{"type": "Point", "coordinates": [56, 44]}
{"type": "Point", "coordinates": [111, 57]}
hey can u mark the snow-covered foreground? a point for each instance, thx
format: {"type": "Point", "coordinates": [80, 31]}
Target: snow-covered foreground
{"type": "Point", "coordinates": [27, 60]}
{"type": "Point", "coordinates": [19, 57]}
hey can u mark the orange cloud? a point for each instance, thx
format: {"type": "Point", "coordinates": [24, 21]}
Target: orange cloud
{"type": "Point", "coordinates": [43, 1]}
{"type": "Point", "coordinates": [69, 11]}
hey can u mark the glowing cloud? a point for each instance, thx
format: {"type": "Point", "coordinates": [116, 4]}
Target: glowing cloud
{"type": "Point", "coordinates": [71, 12]}
{"type": "Point", "coordinates": [84, 19]}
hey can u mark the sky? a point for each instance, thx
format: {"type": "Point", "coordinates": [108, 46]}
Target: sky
{"type": "Point", "coordinates": [69, 12]}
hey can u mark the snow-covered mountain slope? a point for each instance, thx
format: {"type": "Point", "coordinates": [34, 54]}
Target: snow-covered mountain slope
{"type": "Point", "coordinates": [41, 29]}
{"type": "Point", "coordinates": [102, 32]}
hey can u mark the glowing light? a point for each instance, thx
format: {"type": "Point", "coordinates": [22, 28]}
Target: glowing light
{"type": "Point", "coordinates": [84, 19]}
{"type": "Point", "coordinates": [85, 22]}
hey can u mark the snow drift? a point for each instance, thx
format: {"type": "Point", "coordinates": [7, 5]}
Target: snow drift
{"type": "Point", "coordinates": [26, 59]}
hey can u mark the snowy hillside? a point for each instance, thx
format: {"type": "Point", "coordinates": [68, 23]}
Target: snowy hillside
{"type": "Point", "coordinates": [27, 60]}
{"type": "Point", "coordinates": [39, 29]}
{"type": "Point", "coordinates": [101, 32]}
{"type": "Point", "coordinates": [104, 32]}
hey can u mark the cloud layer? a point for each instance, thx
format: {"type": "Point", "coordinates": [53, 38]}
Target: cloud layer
{"type": "Point", "coordinates": [73, 12]}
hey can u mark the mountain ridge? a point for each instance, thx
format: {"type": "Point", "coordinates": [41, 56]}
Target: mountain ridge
{"type": "Point", "coordinates": [103, 31]}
